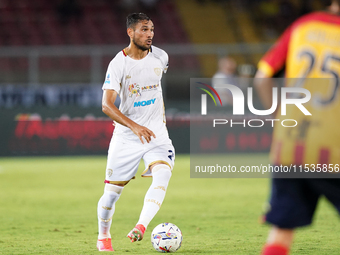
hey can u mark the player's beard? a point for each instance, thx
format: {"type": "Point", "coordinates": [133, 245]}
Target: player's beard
{"type": "Point", "coordinates": [139, 45]}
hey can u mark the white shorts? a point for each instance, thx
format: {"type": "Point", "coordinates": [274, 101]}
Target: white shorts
{"type": "Point", "coordinates": [124, 158]}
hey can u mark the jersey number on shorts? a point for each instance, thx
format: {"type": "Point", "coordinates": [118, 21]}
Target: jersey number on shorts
{"type": "Point", "coordinates": [171, 154]}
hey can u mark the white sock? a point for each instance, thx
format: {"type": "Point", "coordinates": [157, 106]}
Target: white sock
{"type": "Point", "coordinates": [154, 197]}
{"type": "Point", "coordinates": [106, 209]}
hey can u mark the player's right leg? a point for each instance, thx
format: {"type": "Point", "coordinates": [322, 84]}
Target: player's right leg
{"type": "Point", "coordinates": [105, 211]}
{"type": "Point", "coordinates": [122, 164]}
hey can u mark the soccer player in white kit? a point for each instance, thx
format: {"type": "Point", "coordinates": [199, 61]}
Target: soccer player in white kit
{"type": "Point", "coordinates": [140, 132]}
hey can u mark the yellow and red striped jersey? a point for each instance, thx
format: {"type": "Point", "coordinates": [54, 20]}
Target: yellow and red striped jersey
{"type": "Point", "coordinates": [309, 50]}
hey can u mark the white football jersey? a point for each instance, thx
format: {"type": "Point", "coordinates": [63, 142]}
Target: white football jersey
{"type": "Point", "coordinates": [138, 83]}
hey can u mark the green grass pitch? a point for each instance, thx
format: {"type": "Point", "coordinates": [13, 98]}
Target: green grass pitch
{"type": "Point", "coordinates": [48, 206]}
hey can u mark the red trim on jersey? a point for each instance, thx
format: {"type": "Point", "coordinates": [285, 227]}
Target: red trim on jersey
{"type": "Point", "coordinates": [324, 156]}
{"type": "Point", "coordinates": [277, 55]}
{"type": "Point", "coordinates": [299, 152]}
{"type": "Point", "coordinates": [321, 16]}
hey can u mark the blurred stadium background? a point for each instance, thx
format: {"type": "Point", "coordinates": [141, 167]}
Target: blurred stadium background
{"type": "Point", "coordinates": [53, 59]}
{"type": "Point", "coordinates": [54, 55]}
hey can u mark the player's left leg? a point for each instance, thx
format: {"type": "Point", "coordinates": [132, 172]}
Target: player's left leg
{"type": "Point", "coordinates": [292, 205]}
{"type": "Point", "coordinates": [160, 170]}
{"type": "Point", "coordinates": [330, 188]}
{"type": "Point", "coordinates": [154, 197]}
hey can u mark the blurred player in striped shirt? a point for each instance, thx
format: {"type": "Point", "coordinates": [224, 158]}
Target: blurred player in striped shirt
{"type": "Point", "coordinates": [309, 48]}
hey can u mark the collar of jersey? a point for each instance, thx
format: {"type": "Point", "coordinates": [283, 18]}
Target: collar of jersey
{"type": "Point", "coordinates": [126, 55]}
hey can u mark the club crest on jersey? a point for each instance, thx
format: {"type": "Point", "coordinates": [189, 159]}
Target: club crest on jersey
{"type": "Point", "coordinates": [157, 71]}
{"type": "Point", "coordinates": [134, 90]}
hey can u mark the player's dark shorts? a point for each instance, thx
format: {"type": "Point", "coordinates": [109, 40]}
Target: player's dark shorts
{"type": "Point", "coordinates": [293, 201]}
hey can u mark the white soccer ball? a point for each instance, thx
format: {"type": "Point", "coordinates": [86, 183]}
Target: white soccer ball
{"type": "Point", "coordinates": [166, 237]}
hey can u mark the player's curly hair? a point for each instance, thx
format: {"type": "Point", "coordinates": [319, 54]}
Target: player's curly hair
{"type": "Point", "coordinates": [133, 18]}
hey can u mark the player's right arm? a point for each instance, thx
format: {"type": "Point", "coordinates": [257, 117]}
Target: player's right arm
{"type": "Point", "coordinates": [108, 107]}
{"type": "Point", "coordinates": [264, 86]}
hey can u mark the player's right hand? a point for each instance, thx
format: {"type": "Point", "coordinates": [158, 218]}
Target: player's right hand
{"type": "Point", "coordinates": [141, 132]}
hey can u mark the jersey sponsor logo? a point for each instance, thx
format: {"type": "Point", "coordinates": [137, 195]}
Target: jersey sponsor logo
{"type": "Point", "coordinates": [107, 80]}
{"type": "Point", "coordinates": [151, 87]}
{"type": "Point", "coordinates": [127, 77]}
{"type": "Point", "coordinates": [157, 71]}
{"type": "Point", "coordinates": [144, 103]}
{"type": "Point", "coordinates": [134, 90]}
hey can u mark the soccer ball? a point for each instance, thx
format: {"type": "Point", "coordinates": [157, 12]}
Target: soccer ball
{"type": "Point", "coordinates": [166, 237]}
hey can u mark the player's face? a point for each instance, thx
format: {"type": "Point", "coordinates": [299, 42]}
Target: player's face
{"type": "Point", "coordinates": [143, 34]}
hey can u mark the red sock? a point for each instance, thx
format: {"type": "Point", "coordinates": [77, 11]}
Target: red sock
{"type": "Point", "coordinates": [141, 228]}
{"type": "Point", "coordinates": [274, 249]}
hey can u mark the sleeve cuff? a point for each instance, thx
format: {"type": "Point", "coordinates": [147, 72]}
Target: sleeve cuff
{"type": "Point", "coordinates": [265, 68]}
